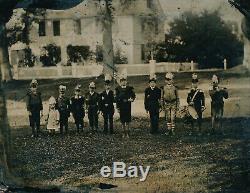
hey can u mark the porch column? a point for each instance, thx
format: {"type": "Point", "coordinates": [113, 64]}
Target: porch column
{"type": "Point", "coordinates": [64, 55]}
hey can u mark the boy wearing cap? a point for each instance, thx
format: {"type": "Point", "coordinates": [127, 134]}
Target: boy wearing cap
{"type": "Point", "coordinates": [170, 102]}
{"type": "Point", "coordinates": [34, 107]}
{"type": "Point", "coordinates": [152, 103]}
{"type": "Point", "coordinates": [196, 99]}
{"type": "Point", "coordinates": [217, 95]}
{"type": "Point", "coordinates": [77, 108]}
{"type": "Point", "coordinates": [107, 105]}
{"type": "Point", "coordinates": [125, 95]}
{"type": "Point", "coordinates": [92, 106]}
{"type": "Point", "coordinates": [63, 106]}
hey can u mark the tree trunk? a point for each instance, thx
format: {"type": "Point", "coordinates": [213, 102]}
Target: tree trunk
{"type": "Point", "coordinates": [4, 127]}
{"type": "Point", "coordinates": [246, 60]}
{"type": "Point", "coordinates": [246, 32]}
{"type": "Point", "coordinates": [4, 55]}
{"type": "Point", "coordinates": [108, 52]}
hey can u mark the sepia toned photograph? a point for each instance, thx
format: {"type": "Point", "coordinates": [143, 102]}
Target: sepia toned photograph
{"type": "Point", "coordinates": [125, 96]}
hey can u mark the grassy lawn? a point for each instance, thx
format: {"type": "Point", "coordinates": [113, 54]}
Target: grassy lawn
{"type": "Point", "coordinates": [182, 163]}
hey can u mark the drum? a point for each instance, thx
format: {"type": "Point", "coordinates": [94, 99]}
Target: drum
{"type": "Point", "coordinates": [192, 112]}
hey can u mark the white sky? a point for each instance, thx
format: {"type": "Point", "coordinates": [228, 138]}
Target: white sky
{"type": "Point", "coordinates": [173, 8]}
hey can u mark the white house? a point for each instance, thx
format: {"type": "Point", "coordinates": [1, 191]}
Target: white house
{"type": "Point", "coordinates": [134, 27]}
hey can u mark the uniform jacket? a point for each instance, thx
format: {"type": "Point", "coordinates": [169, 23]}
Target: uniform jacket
{"type": "Point", "coordinates": [34, 102]}
{"type": "Point", "coordinates": [170, 96]}
{"type": "Point", "coordinates": [152, 98]}
{"type": "Point", "coordinates": [77, 105]}
{"type": "Point", "coordinates": [199, 99]}
{"type": "Point", "coordinates": [122, 96]}
{"type": "Point", "coordinates": [92, 101]}
{"type": "Point", "coordinates": [63, 105]}
{"type": "Point", "coordinates": [217, 96]}
{"type": "Point", "coordinates": [107, 101]}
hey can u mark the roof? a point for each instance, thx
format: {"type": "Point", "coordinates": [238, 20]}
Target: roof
{"type": "Point", "coordinates": [49, 4]}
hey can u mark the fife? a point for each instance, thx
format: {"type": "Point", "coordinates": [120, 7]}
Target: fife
{"type": "Point", "coordinates": [119, 170]}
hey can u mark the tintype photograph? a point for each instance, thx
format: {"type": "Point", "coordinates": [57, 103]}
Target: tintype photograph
{"type": "Point", "coordinates": [125, 96]}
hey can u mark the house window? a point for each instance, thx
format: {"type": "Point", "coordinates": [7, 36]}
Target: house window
{"type": "Point", "coordinates": [143, 52]}
{"type": "Point", "coordinates": [149, 3]}
{"type": "Point", "coordinates": [77, 26]}
{"type": "Point", "coordinates": [56, 28]}
{"type": "Point", "coordinates": [41, 28]}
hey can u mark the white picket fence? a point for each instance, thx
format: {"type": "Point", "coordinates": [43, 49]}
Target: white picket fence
{"type": "Point", "coordinates": [95, 70]}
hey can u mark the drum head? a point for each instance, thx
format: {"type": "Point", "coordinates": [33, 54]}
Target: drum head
{"type": "Point", "coordinates": [192, 112]}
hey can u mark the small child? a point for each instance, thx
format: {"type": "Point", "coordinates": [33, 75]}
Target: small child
{"type": "Point", "coordinates": [53, 117]}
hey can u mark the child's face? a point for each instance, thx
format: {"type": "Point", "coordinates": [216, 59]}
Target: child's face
{"type": "Point", "coordinates": [91, 89]}
{"type": "Point", "coordinates": [123, 82]}
{"type": "Point", "coordinates": [107, 86]}
{"type": "Point", "coordinates": [52, 106]}
{"type": "Point", "coordinates": [168, 81]}
{"type": "Point", "coordinates": [152, 84]}
{"type": "Point", "coordinates": [77, 92]}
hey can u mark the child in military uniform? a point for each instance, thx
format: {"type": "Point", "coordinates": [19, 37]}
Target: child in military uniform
{"type": "Point", "coordinates": [107, 105]}
{"type": "Point", "coordinates": [34, 107]}
{"type": "Point", "coordinates": [92, 106]}
{"type": "Point", "coordinates": [53, 117]}
{"type": "Point", "coordinates": [152, 103]}
{"type": "Point", "coordinates": [63, 106]}
{"type": "Point", "coordinates": [170, 102]}
{"type": "Point", "coordinates": [217, 95]}
{"type": "Point", "coordinates": [77, 103]}
{"type": "Point", "coordinates": [125, 95]}
{"type": "Point", "coordinates": [196, 100]}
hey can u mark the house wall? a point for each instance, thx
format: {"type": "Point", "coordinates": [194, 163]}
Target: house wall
{"type": "Point", "coordinates": [127, 29]}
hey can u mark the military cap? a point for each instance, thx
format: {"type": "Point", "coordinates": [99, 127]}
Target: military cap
{"type": "Point", "coordinates": [92, 85]}
{"type": "Point", "coordinates": [152, 77]}
{"type": "Point", "coordinates": [78, 87]}
{"type": "Point", "coordinates": [215, 79]}
{"type": "Point", "coordinates": [194, 78]}
{"type": "Point", "coordinates": [107, 78]}
{"type": "Point", "coordinates": [34, 83]}
{"type": "Point", "coordinates": [123, 77]}
{"type": "Point", "coordinates": [169, 75]}
{"type": "Point", "coordinates": [124, 74]}
{"type": "Point", "coordinates": [62, 88]}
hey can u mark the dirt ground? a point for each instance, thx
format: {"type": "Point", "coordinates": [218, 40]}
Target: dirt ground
{"type": "Point", "coordinates": [182, 163]}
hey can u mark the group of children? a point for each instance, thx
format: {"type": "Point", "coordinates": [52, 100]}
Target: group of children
{"type": "Point", "coordinates": [165, 98]}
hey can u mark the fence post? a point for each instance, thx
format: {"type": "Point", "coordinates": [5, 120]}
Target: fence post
{"type": "Point", "coordinates": [192, 65]}
{"type": "Point", "coordinates": [152, 66]}
{"type": "Point", "coordinates": [15, 72]}
{"type": "Point", "coordinates": [73, 68]}
{"type": "Point", "coordinates": [59, 70]}
{"type": "Point", "coordinates": [225, 63]}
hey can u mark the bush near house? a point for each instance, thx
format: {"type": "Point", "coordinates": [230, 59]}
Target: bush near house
{"type": "Point", "coordinates": [205, 39]}
{"type": "Point", "coordinates": [52, 55]}
{"type": "Point", "coordinates": [78, 53]}
{"type": "Point", "coordinates": [119, 58]}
